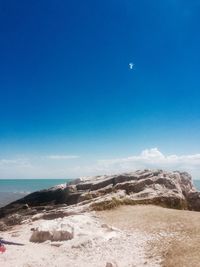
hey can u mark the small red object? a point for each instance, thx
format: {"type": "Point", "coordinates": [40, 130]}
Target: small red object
{"type": "Point", "coordinates": [2, 249]}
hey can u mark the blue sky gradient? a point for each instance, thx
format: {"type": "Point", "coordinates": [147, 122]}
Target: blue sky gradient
{"type": "Point", "coordinates": [66, 87]}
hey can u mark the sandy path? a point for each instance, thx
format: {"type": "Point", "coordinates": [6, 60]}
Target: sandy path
{"type": "Point", "coordinates": [95, 247]}
{"type": "Point", "coordinates": [175, 233]}
{"type": "Point", "coordinates": [145, 236]}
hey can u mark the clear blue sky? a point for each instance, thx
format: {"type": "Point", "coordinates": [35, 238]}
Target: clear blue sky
{"type": "Point", "coordinates": [66, 87]}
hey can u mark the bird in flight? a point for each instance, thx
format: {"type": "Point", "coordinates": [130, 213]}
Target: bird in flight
{"type": "Point", "coordinates": [131, 65]}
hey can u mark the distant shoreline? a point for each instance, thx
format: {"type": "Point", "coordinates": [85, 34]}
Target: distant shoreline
{"type": "Point", "coordinates": [8, 197]}
{"type": "Point", "coordinates": [13, 189]}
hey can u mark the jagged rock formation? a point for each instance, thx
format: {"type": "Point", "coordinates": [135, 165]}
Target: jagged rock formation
{"type": "Point", "coordinates": [167, 189]}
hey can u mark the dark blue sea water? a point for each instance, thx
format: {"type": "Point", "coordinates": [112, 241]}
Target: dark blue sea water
{"type": "Point", "coordinates": [28, 185]}
{"type": "Point", "coordinates": [14, 189]}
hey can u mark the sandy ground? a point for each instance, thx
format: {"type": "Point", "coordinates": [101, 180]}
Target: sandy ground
{"type": "Point", "coordinates": [94, 244]}
{"type": "Point", "coordinates": [129, 236]}
{"type": "Point", "coordinates": [176, 233]}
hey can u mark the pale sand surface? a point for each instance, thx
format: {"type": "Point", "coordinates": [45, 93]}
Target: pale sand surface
{"type": "Point", "coordinates": [139, 236]}
{"type": "Point", "coordinates": [176, 232]}
{"type": "Point", "coordinates": [95, 244]}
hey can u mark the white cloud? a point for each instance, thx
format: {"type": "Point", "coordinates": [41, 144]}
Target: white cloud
{"type": "Point", "coordinates": [153, 158]}
{"type": "Point", "coordinates": [15, 168]}
{"type": "Point", "coordinates": [37, 166]}
{"type": "Point", "coordinates": [62, 157]}
{"type": "Point", "coordinates": [14, 162]}
{"type": "Point", "coordinates": [60, 166]}
{"type": "Point", "coordinates": [152, 153]}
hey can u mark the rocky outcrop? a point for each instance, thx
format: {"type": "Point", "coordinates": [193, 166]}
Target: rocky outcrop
{"type": "Point", "coordinates": [54, 230]}
{"type": "Point", "coordinates": [79, 228]}
{"type": "Point", "coordinates": [167, 189]}
{"type": "Point", "coordinates": [193, 200]}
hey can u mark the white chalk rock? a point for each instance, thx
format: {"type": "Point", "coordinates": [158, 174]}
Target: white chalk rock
{"type": "Point", "coordinates": [78, 230]}
{"type": "Point", "coordinates": [55, 230]}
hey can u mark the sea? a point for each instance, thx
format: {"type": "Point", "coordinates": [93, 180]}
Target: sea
{"type": "Point", "coordinates": [13, 189]}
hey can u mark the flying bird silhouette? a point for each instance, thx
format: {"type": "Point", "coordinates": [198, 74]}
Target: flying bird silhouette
{"type": "Point", "coordinates": [131, 65]}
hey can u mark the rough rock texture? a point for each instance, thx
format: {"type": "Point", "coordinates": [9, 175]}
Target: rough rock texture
{"type": "Point", "coordinates": [167, 189]}
{"type": "Point", "coordinates": [193, 200]}
{"type": "Point", "coordinates": [77, 228]}
{"type": "Point", "coordinates": [54, 230]}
